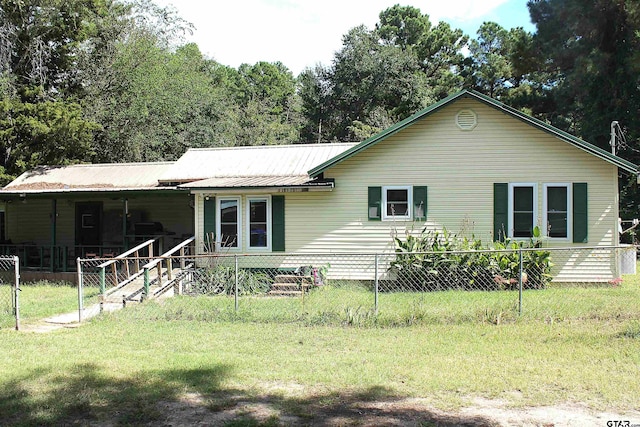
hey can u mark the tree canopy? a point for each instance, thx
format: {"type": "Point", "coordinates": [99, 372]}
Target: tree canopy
{"type": "Point", "coordinates": [114, 81]}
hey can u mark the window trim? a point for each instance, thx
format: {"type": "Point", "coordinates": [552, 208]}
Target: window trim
{"type": "Point", "coordinates": [510, 224]}
{"type": "Point", "coordinates": [545, 212]}
{"type": "Point", "coordinates": [219, 201]}
{"type": "Point", "coordinates": [383, 208]}
{"type": "Point", "coordinates": [249, 199]}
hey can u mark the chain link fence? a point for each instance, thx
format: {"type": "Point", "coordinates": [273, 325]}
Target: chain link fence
{"type": "Point", "coordinates": [9, 292]}
{"type": "Point", "coordinates": [378, 289]}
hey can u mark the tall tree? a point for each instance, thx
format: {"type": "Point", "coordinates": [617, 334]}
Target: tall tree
{"type": "Point", "coordinates": [591, 50]}
{"type": "Point", "coordinates": [41, 121]}
{"type": "Point", "coordinates": [153, 104]}
{"type": "Point", "coordinates": [40, 40]}
{"type": "Point", "coordinates": [373, 83]}
{"type": "Point", "coordinates": [438, 49]}
{"type": "Point", "coordinates": [269, 108]}
{"type": "Point", "coordinates": [314, 92]}
{"type": "Point", "coordinates": [491, 68]}
{"type": "Point", "coordinates": [381, 76]}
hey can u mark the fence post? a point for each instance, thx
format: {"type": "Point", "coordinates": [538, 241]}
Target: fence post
{"type": "Point", "coordinates": [103, 287]}
{"type": "Point", "coordinates": [80, 285]}
{"type": "Point", "coordinates": [146, 283]}
{"type": "Point", "coordinates": [376, 286]}
{"type": "Point", "coordinates": [520, 285]}
{"type": "Point", "coordinates": [16, 269]}
{"type": "Point", "coordinates": [235, 286]}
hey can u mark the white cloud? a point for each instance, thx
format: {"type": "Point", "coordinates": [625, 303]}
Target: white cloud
{"type": "Point", "coordinates": [299, 33]}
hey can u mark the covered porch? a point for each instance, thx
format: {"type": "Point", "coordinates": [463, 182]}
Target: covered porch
{"type": "Point", "coordinates": [49, 233]}
{"type": "Point", "coordinates": [50, 217]}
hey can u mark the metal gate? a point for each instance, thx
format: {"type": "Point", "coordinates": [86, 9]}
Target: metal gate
{"type": "Point", "coordinates": [9, 292]}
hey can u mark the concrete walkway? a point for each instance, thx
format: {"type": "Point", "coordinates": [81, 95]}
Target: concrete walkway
{"type": "Point", "coordinates": [68, 320]}
{"type": "Point", "coordinates": [112, 302]}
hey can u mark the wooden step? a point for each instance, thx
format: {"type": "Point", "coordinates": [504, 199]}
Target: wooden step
{"type": "Point", "coordinates": [289, 278]}
{"type": "Point", "coordinates": [286, 286]}
{"type": "Point", "coordinates": [289, 285]}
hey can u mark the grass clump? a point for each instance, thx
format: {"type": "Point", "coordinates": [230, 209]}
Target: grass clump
{"type": "Point", "coordinates": [631, 330]}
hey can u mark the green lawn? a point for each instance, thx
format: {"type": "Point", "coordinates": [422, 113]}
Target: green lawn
{"type": "Point", "coordinates": [570, 345]}
{"type": "Point", "coordinates": [39, 300]}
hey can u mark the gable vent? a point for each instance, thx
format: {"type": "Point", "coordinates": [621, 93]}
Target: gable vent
{"type": "Point", "coordinates": [466, 119]}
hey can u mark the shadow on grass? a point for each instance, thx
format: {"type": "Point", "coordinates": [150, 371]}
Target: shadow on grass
{"type": "Point", "coordinates": [88, 395]}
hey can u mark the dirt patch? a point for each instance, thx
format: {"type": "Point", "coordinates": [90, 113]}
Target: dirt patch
{"type": "Point", "coordinates": [195, 410]}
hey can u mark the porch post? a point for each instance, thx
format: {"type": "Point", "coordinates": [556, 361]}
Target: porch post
{"type": "Point", "coordinates": [54, 219]}
{"type": "Point", "coordinates": [125, 211]}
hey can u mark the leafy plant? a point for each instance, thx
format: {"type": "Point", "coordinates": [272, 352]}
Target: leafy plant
{"type": "Point", "coordinates": [440, 260]}
{"type": "Point", "coordinates": [221, 280]}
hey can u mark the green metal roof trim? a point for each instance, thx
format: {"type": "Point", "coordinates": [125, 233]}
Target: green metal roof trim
{"type": "Point", "coordinates": [590, 148]}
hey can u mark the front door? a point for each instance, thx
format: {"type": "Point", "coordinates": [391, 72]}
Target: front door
{"type": "Point", "coordinates": [89, 227]}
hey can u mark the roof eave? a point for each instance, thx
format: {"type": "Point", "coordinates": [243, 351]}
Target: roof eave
{"type": "Point", "coordinates": [20, 193]}
{"type": "Point", "coordinates": [323, 186]}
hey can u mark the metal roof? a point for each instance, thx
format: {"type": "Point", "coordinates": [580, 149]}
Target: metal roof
{"type": "Point", "coordinates": [92, 177]}
{"type": "Point", "coordinates": [564, 136]}
{"type": "Point", "coordinates": [256, 162]}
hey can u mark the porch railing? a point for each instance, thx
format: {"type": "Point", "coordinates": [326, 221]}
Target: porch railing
{"type": "Point", "coordinates": [166, 260]}
{"type": "Point", "coordinates": [125, 267]}
{"type": "Point", "coordinates": [58, 258]}
{"type": "Point", "coordinates": [62, 258]}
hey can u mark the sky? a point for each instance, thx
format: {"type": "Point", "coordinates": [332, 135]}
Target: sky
{"type": "Point", "coordinates": [303, 33]}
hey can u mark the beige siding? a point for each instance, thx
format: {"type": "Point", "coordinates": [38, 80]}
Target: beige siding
{"type": "Point", "coordinates": [459, 168]}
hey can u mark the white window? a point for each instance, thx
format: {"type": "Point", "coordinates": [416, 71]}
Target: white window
{"type": "Point", "coordinates": [259, 223]}
{"type": "Point", "coordinates": [228, 228]}
{"type": "Point", "coordinates": [557, 208]}
{"type": "Point", "coordinates": [396, 202]}
{"type": "Point", "coordinates": [522, 210]}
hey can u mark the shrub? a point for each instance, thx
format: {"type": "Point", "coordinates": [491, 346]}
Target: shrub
{"type": "Point", "coordinates": [440, 260]}
{"type": "Point", "coordinates": [221, 280]}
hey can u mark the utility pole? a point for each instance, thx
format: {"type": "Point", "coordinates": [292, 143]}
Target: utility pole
{"type": "Point", "coordinates": [612, 141]}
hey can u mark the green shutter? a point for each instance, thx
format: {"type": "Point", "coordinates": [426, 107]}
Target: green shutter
{"type": "Point", "coordinates": [500, 210]}
{"type": "Point", "coordinates": [580, 213]}
{"type": "Point", "coordinates": [277, 223]}
{"type": "Point", "coordinates": [209, 222]}
{"type": "Point", "coordinates": [420, 203]}
{"type": "Point", "coordinates": [375, 202]}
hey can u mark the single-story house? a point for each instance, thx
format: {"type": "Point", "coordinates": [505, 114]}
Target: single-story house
{"type": "Point", "coordinates": [468, 163]}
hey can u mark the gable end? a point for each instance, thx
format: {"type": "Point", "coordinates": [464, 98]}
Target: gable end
{"type": "Point", "coordinates": [564, 136]}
